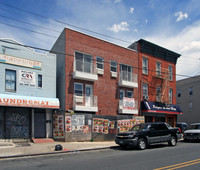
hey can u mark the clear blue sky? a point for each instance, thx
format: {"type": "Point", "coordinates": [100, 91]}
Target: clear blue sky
{"type": "Point", "coordinates": [173, 24]}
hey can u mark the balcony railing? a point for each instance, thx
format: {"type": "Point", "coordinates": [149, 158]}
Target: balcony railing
{"type": "Point", "coordinates": [85, 103]}
{"type": "Point", "coordinates": [128, 106]}
{"type": "Point", "coordinates": [84, 70]}
{"type": "Point", "coordinates": [128, 79]}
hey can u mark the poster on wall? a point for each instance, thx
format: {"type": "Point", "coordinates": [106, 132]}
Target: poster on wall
{"type": "Point", "coordinates": [68, 121]}
{"type": "Point", "coordinates": [77, 123]}
{"type": "Point", "coordinates": [58, 126]}
{"type": "Point", "coordinates": [26, 78]}
{"type": "Point", "coordinates": [112, 124]}
{"type": "Point", "coordinates": [100, 125]}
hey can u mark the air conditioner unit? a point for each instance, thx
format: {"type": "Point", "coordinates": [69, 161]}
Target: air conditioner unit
{"type": "Point", "coordinates": [146, 98]}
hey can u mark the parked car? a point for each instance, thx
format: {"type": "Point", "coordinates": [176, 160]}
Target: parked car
{"type": "Point", "coordinates": [142, 135]}
{"type": "Point", "coordinates": [182, 125]}
{"type": "Point", "coordinates": [193, 133]}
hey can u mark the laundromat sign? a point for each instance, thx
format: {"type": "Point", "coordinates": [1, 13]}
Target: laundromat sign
{"type": "Point", "coordinates": [30, 102]}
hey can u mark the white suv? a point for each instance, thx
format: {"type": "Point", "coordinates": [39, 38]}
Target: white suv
{"type": "Point", "coordinates": [193, 133]}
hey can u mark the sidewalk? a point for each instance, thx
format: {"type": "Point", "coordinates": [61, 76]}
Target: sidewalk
{"type": "Point", "coordinates": [12, 150]}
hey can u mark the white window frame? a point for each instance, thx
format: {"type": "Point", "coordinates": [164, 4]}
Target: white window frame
{"type": "Point", "coordinates": [170, 95]}
{"type": "Point", "coordinates": [113, 64]}
{"type": "Point", "coordinates": [127, 73]}
{"type": "Point", "coordinates": [131, 92]}
{"type": "Point", "coordinates": [158, 68]}
{"type": "Point", "coordinates": [80, 90]}
{"type": "Point", "coordinates": [100, 62]}
{"type": "Point", "coordinates": [158, 93]}
{"type": "Point", "coordinates": [145, 65]}
{"type": "Point", "coordinates": [145, 88]}
{"type": "Point", "coordinates": [86, 58]}
{"type": "Point", "coordinates": [170, 73]}
{"type": "Point", "coordinates": [10, 80]}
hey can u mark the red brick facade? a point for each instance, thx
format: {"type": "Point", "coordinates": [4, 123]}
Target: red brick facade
{"type": "Point", "coordinates": [106, 88]}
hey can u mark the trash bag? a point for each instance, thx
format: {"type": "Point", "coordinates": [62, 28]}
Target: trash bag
{"type": "Point", "coordinates": [58, 148]}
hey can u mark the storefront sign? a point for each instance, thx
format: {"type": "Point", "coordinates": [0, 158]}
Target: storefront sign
{"type": "Point", "coordinates": [26, 78]}
{"type": "Point", "coordinates": [26, 101]}
{"type": "Point", "coordinates": [128, 103]}
{"type": "Point", "coordinates": [20, 61]}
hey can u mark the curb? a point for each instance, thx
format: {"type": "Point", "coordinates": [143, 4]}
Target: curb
{"type": "Point", "coordinates": [56, 152]}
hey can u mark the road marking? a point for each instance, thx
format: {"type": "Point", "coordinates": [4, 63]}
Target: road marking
{"type": "Point", "coordinates": [180, 165]}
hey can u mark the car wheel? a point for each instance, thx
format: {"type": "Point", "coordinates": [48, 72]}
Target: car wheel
{"type": "Point", "coordinates": [142, 144]}
{"type": "Point", "coordinates": [172, 141]}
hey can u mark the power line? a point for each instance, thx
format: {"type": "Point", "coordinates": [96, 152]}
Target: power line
{"type": "Point", "coordinates": [107, 62]}
{"type": "Point", "coordinates": [64, 23]}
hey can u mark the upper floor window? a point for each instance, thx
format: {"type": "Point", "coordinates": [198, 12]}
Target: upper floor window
{"type": "Point", "coordinates": [126, 72]}
{"type": "Point", "coordinates": [83, 62]}
{"type": "Point", "coordinates": [158, 68]}
{"type": "Point", "coordinates": [144, 65]}
{"type": "Point", "coordinates": [145, 91]}
{"type": "Point", "coordinates": [39, 80]}
{"type": "Point", "coordinates": [158, 93]}
{"type": "Point", "coordinates": [10, 80]}
{"type": "Point", "coordinates": [170, 73]}
{"type": "Point", "coordinates": [170, 95]}
{"type": "Point", "coordinates": [179, 93]}
{"type": "Point", "coordinates": [78, 89]}
{"type": "Point", "coordinates": [190, 105]}
{"type": "Point", "coordinates": [99, 63]}
{"type": "Point", "coordinates": [190, 91]}
{"type": "Point", "coordinates": [113, 66]}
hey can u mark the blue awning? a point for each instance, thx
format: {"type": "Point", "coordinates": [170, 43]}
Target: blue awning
{"type": "Point", "coordinates": [158, 107]}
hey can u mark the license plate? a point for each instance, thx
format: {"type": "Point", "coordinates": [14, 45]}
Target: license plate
{"type": "Point", "coordinates": [121, 142]}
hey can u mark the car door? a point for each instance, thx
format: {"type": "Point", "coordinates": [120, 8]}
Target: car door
{"type": "Point", "coordinates": [153, 135]}
{"type": "Point", "coordinates": [163, 132]}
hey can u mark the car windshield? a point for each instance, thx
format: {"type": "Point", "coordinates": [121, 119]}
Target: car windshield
{"type": "Point", "coordinates": [139, 127]}
{"type": "Point", "coordinates": [194, 126]}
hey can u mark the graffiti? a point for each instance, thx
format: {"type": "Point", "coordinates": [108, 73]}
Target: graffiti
{"type": "Point", "coordinates": [19, 131]}
{"type": "Point", "coordinates": [17, 118]}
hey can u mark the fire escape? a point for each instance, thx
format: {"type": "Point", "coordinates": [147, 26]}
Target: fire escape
{"type": "Point", "coordinates": [160, 86]}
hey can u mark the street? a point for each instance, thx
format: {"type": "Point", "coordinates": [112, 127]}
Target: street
{"type": "Point", "coordinates": [161, 156]}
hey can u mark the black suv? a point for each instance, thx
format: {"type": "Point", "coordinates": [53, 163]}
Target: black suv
{"type": "Point", "coordinates": [142, 135]}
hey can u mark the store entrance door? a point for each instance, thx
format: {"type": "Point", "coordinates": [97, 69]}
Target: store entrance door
{"type": "Point", "coordinates": [39, 124]}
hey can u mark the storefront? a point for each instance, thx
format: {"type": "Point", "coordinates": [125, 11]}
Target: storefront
{"type": "Point", "coordinates": [26, 117]}
{"type": "Point", "coordinates": [160, 112]}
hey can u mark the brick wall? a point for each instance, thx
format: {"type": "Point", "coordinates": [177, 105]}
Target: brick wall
{"type": "Point", "coordinates": [106, 88]}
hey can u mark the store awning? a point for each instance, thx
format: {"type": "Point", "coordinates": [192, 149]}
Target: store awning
{"type": "Point", "coordinates": [158, 107]}
{"type": "Point", "coordinates": [29, 101]}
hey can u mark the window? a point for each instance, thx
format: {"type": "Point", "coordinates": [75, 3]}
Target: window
{"type": "Point", "coordinates": [145, 90]}
{"type": "Point", "coordinates": [39, 80]}
{"type": "Point", "coordinates": [190, 105]}
{"type": "Point", "coordinates": [10, 80]}
{"type": "Point", "coordinates": [170, 73]}
{"type": "Point", "coordinates": [170, 95]}
{"type": "Point", "coordinates": [129, 94]}
{"type": "Point", "coordinates": [113, 66]}
{"type": "Point", "coordinates": [190, 91]}
{"type": "Point", "coordinates": [158, 68]}
{"type": "Point", "coordinates": [144, 65]}
{"type": "Point", "coordinates": [158, 93]}
{"type": "Point", "coordinates": [126, 72]}
{"type": "Point", "coordinates": [83, 62]}
{"type": "Point", "coordinates": [179, 93]}
{"type": "Point", "coordinates": [99, 62]}
{"type": "Point", "coordinates": [121, 94]}
{"type": "Point", "coordinates": [78, 89]}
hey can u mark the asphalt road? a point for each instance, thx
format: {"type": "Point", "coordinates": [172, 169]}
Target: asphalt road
{"type": "Point", "coordinates": [160, 157]}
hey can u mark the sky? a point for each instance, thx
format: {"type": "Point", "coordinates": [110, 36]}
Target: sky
{"type": "Point", "coordinates": [172, 24]}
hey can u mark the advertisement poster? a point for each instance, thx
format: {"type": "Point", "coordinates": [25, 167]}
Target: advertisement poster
{"type": "Point", "coordinates": [58, 126]}
{"type": "Point", "coordinates": [68, 121]}
{"type": "Point", "coordinates": [112, 124]}
{"type": "Point", "coordinates": [100, 125]}
{"type": "Point", "coordinates": [26, 78]}
{"type": "Point", "coordinates": [86, 129]}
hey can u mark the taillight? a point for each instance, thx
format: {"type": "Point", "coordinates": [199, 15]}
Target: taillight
{"type": "Point", "coordinates": [180, 130]}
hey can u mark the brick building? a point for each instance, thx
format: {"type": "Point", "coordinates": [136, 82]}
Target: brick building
{"type": "Point", "coordinates": [95, 78]}
{"type": "Point", "coordinates": [157, 82]}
